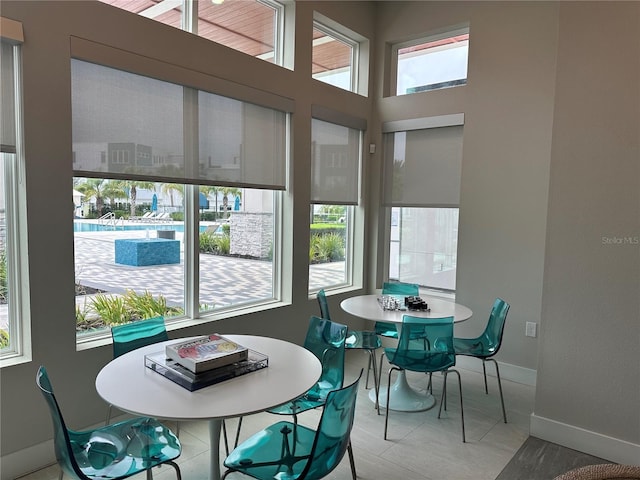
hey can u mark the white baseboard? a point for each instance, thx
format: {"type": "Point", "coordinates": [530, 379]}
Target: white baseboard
{"type": "Point", "coordinates": [514, 373]}
{"type": "Point", "coordinates": [608, 448]}
{"type": "Point", "coordinates": [26, 461]}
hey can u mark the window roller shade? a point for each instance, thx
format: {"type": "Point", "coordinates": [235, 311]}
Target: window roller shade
{"type": "Point", "coordinates": [335, 163]}
{"type": "Point", "coordinates": [423, 167]}
{"type": "Point", "coordinates": [131, 126]}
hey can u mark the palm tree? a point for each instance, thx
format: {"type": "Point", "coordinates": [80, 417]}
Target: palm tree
{"type": "Point", "coordinates": [170, 188]}
{"type": "Point", "coordinates": [97, 188]}
{"type": "Point", "coordinates": [133, 186]}
{"type": "Point", "coordinates": [226, 191]}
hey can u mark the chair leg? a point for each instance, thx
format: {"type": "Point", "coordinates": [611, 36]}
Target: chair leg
{"type": "Point", "coordinates": [61, 474]}
{"type": "Point", "coordinates": [366, 383]}
{"type": "Point", "coordinates": [380, 379]}
{"type": "Point", "coordinates": [484, 372]}
{"type": "Point", "coordinates": [235, 443]}
{"type": "Point", "coordinates": [149, 475]}
{"type": "Point", "coordinates": [376, 383]}
{"type": "Point", "coordinates": [504, 412]}
{"type": "Point", "coordinates": [464, 439]}
{"type": "Point", "coordinates": [224, 436]}
{"type": "Point", "coordinates": [351, 460]}
{"type": "Point", "coordinates": [386, 416]}
{"type": "Point", "coordinates": [175, 465]}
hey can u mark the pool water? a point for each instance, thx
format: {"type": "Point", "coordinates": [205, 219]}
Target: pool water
{"type": "Point", "coordinates": [96, 227]}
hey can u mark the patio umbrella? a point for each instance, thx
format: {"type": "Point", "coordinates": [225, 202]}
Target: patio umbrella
{"type": "Point", "coordinates": [154, 203]}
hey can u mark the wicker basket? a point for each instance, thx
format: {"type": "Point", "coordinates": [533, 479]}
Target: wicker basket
{"type": "Point", "coordinates": [609, 471]}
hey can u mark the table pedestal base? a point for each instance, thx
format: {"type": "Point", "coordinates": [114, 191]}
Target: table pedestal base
{"type": "Point", "coordinates": [403, 397]}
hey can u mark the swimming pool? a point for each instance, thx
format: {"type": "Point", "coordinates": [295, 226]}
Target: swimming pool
{"type": "Point", "coordinates": [84, 226]}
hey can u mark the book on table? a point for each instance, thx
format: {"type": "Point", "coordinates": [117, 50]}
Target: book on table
{"type": "Point", "coordinates": [170, 369]}
{"type": "Point", "coordinates": [206, 353]}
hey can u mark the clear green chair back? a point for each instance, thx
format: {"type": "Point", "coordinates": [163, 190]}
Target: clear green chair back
{"type": "Point", "coordinates": [113, 452]}
{"type": "Point", "coordinates": [400, 288]}
{"type": "Point", "coordinates": [138, 334]}
{"type": "Point", "coordinates": [324, 305]}
{"type": "Point", "coordinates": [388, 329]}
{"type": "Point", "coordinates": [425, 345]}
{"type": "Point", "coordinates": [326, 340]}
{"type": "Point", "coordinates": [288, 451]}
{"type": "Point", "coordinates": [487, 344]}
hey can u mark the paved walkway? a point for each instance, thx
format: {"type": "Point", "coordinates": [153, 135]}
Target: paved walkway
{"type": "Point", "coordinates": [224, 280]}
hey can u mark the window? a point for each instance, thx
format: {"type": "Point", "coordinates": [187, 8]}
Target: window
{"type": "Point", "coordinates": [14, 317]}
{"type": "Point", "coordinates": [164, 216]}
{"type": "Point", "coordinates": [423, 160]}
{"type": "Point", "coordinates": [253, 27]}
{"type": "Point", "coordinates": [335, 166]}
{"type": "Point", "coordinates": [431, 63]}
{"type": "Point", "coordinates": [334, 58]}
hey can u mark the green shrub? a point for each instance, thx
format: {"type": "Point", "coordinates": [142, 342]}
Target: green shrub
{"type": "Point", "coordinates": [4, 339]}
{"type": "Point", "coordinates": [216, 244]}
{"type": "Point", "coordinates": [106, 310]}
{"type": "Point", "coordinates": [326, 248]}
{"type": "Point", "coordinates": [3, 276]}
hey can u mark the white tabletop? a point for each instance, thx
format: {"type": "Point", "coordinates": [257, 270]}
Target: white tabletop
{"type": "Point", "coordinates": [367, 307]}
{"type": "Point", "coordinates": [127, 384]}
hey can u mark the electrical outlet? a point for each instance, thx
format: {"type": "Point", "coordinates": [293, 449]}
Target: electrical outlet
{"type": "Point", "coordinates": [531, 329]}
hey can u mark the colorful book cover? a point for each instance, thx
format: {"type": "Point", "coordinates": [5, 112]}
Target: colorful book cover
{"type": "Point", "coordinates": [206, 352]}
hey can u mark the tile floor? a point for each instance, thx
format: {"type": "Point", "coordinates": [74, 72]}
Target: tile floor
{"type": "Point", "coordinates": [420, 446]}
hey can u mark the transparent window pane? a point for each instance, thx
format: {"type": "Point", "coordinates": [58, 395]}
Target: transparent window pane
{"type": "Point", "coordinates": [128, 247]}
{"type": "Point", "coordinates": [248, 26]}
{"type": "Point", "coordinates": [424, 246]}
{"type": "Point", "coordinates": [332, 60]}
{"type": "Point", "coordinates": [328, 246]}
{"type": "Point", "coordinates": [433, 65]}
{"type": "Point", "coordinates": [5, 325]}
{"type": "Point", "coordinates": [237, 237]}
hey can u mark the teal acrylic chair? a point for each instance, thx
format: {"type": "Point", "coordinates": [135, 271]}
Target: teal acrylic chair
{"type": "Point", "coordinates": [357, 340]}
{"type": "Point", "coordinates": [388, 329]}
{"type": "Point", "coordinates": [289, 451]}
{"type": "Point", "coordinates": [436, 354]}
{"type": "Point", "coordinates": [326, 340]}
{"type": "Point", "coordinates": [129, 336]}
{"type": "Point", "coordinates": [487, 345]}
{"type": "Point", "coordinates": [111, 452]}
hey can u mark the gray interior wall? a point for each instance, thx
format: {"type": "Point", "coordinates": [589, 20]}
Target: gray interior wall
{"type": "Point", "coordinates": [589, 368]}
{"type": "Point", "coordinates": [508, 107]}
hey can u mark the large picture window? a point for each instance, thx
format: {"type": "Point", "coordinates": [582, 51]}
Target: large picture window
{"type": "Point", "coordinates": [254, 27]}
{"type": "Point", "coordinates": [423, 161]}
{"type": "Point", "coordinates": [176, 199]}
{"type": "Point", "coordinates": [431, 63]}
{"type": "Point", "coordinates": [15, 332]}
{"type": "Point", "coordinates": [335, 179]}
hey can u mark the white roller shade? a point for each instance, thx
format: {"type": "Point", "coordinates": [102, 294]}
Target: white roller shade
{"type": "Point", "coordinates": [132, 126]}
{"type": "Point", "coordinates": [423, 167]}
{"type": "Point", "coordinates": [335, 163]}
{"type": "Point", "coordinates": [7, 86]}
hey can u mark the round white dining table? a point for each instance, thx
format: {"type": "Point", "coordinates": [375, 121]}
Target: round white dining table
{"type": "Point", "coordinates": [403, 397]}
{"type": "Point", "coordinates": [126, 383]}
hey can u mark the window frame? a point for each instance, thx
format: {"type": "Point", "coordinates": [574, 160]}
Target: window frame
{"type": "Point", "coordinates": [354, 211]}
{"type": "Point", "coordinates": [336, 35]}
{"type": "Point", "coordinates": [18, 311]}
{"type": "Point", "coordinates": [432, 37]}
{"type": "Point", "coordinates": [103, 55]}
